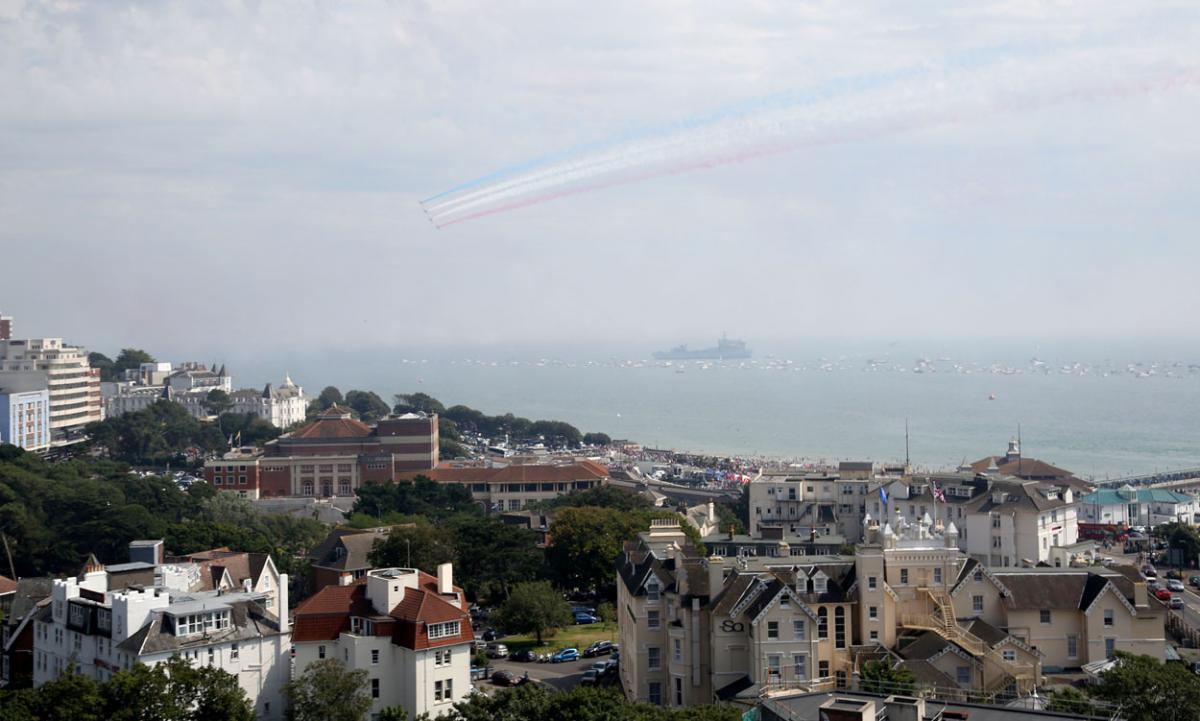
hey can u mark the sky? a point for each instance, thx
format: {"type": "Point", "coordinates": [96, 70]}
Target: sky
{"type": "Point", "coordinates": [181, 175]}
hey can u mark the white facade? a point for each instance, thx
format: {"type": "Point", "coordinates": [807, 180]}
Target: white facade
{"type": "Point", "coordinates": [420, 665]}
{"type": "Point", "coordinates": [1131, 506]}
{"type": "Point", "coordinates": [25, 410]}
{"type": "Point", "coordinates": [1018, 523]}
{"type": "Point", "coordinates": [97, 633]}
{"type": "Point", "coordinates": [74, 386]}
{"type": "Point", "coordinates": [282, 407]}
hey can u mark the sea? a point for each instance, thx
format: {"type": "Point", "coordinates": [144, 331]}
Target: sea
{"type": "Point", "coordinates": [1100, 409]}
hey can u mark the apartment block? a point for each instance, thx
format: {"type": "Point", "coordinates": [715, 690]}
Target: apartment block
{"type": "Point", "coordinates": [73, 384]}
{"type": "Point", "coordinates": [25, 410]}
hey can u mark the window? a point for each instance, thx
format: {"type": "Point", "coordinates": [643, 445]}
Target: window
{"type": "Point", "coordinates": [903, 576]}
{"type": "Point", "coordinates": [677, 652]}
{"type": "Point", "coordinates": [343, 488]}
{"type": "Point", "coordinates": [839, 627]}
{"type": "Point", "coordinates": [678, 691]}
{"type": "Point", "coordinates": [977, 604]}
{"type": "Point", "coordinates": [937, 576]}
{"type": "Point", "coordinates": [1072, 647]}
{"type": "Point", "coordinates": [995, 521]}
{"type": "Point", "coordinates": [233, 652]}
{"type": "Point", "coordinates": [652, 619]}
{"type": "Point", "coordinates": [784, 602]}
{"type": "Point", "coordinates": [872, 612]}
{"type": "Point", "coordinates": [871, 583]}
{"type": "Point", "coordinates": [800, 666]}
{"type": "Point", "coordinates": [1009, 655]}
{"type": "Point", "coordinates": [320, 652]}
{"type": "Point", "coordinates": [375, 657]}
{"type": "Point", "coordinates": [822, 624]}
{"type": "Point", "coordinates": [997, 542]}
{"type": "Point", "coordinates": [449, 690]}
{"type": "Point", "coordinates": [874, 635]}
{"type": "Point", "coordinates": [978, 574]}
{"type": "Point", "coordinates": [308, 488]}
{"type": "Point", "coordinates": [798, 629]}
{"type": "Point", "coordinates": [820, 584]}
{"type": "Point", "coordinates": [653, 658]}
{"type": "Point", "coordinates": [773, 666]}
{"type": "Point", "coordinates": [772, 629]}
{"type": "Point", "coordinates": [364, 627]}
{"type": "Point", "coordinates": [652, 591]}
{"type": "Point", "coordinates": [655, 693]}
{"type": "Point", "coordinates": [823, 669]}
{"type": "Point", "coordinates": [963, 675]}
{"type": "Point", "coordinates": [375, 689]}
{"type": "Point", "coordinates": [1045, 615]}
{"type": "Point", "coordinates": [1108, 618]}
{"type": "Point", "coordinates": [212, 652]}
{"type": "Point", "coordinates": [443, 630]}
{"type": "Point", "coordinates": [1110, 647]}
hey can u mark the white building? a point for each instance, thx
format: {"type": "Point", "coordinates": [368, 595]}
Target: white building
{"type": "Point", "coordinates": [97, 631]}
{"type": "Point", "coordinates": [1129, 506]}
{"type": "Point", "coordinates": [1020, 523]}
{"type": "Point", "coordinates": [409, 630]}
{"type": "Point", "coordinates": [74, 385]}
{"type": "Point", "coordinates": [25, 410]}
{"type": "Point", "coordinates": [282, 407]}
{"type": "Point", "coordinates": [195, 377]}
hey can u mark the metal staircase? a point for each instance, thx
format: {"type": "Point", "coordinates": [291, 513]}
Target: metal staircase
{"type": "Point", "coordinates": [1022, 676]}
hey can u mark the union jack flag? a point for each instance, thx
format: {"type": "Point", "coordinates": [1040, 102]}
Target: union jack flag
{"type": "Point", "coordinates": [939, 494]}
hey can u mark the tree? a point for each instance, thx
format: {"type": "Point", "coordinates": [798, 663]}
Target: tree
{"type": "Point", "coordinates": [586, 540]}
{"type": "Point", "coordinates": [1070, 700]}
{"type": "Point", "coordinates": [417, 403]}
{"type": "Point", "coordinates": [102, 363]}
{"type": "Point", "coordinates": [328, 691]}
{"type": "Point", "coordinates": [606, 496]}
{"type": "Point", "coordinates": [1148, 690]}
{"type": "Point", "coordinates": [129, 359]}
{"type": "Point", "coordinates": [368, 405]}
{"type": "Point", "coordinates": [217, 402]}
{"type": "Point", "coordinates": [421, 496]}
{"type": "Point", "coordinates": [884, 678]}
{"type": "Point", "coordinates": [582, 703]}
{"type": "Point", "coordinates": [596, 439]}
{"type": "Point", "coordinates": [534, 607]}
{"type": "Point", "coordinates": [329, 396]}
{"type": "Point", "coordinates": [418, 545]}
{"type": "Point", "coordinates": [176, 691]}
{"type": "Point", "coordinates": [491, 556]}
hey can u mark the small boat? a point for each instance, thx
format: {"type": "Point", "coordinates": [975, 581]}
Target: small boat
{"type": "Point", "coordinates": [991, 396]}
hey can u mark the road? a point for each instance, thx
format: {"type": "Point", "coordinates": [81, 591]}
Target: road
{"type": "Point", "coordinates": [561, 676]}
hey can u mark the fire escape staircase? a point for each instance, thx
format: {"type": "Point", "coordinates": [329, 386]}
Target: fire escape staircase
{"type": "Point", "coordinates": [1019, 674]}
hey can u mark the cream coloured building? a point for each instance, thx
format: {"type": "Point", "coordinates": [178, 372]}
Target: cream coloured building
{"type": "Point", "coordinates": [73, 384]}
{"type": "Point", "coordinates": [697, 630]}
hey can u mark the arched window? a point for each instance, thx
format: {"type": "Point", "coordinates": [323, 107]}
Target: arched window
{"type": "Point", "coordinates": [822, 623]}
{"type": "Point", "coordinates": [839, 627]}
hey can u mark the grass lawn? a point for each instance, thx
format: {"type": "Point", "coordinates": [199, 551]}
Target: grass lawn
{"type": "Point", "coordinates": [579, 637]}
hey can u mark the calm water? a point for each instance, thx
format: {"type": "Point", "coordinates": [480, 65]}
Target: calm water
{"type": "Point", "coordinates": [1098, 420]}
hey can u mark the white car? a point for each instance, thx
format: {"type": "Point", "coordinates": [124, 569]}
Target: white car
{"type": "Point", "coordinates": [1175, 586]}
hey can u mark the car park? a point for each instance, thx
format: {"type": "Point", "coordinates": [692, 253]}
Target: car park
{"type": "Point", "coordinates": [524, 656]}
{"type": "Point", "coordinates": [1175, 586]}
{"type": "Point", "coordinates": [599, 648]}
{"type": "Point", "coordinates": [497, 650]}
{"type": "Point", "coordinates": [566, 654]}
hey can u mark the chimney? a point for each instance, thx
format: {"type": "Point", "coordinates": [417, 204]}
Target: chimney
{"type": "Point", "coordinates": [716, 575]}
{"type": "Point", "coordinates": [905, 708]}
{"type": "Point", "coordinates": [281, 600]}
{"type": "Point", "coordinates": [445, 578]}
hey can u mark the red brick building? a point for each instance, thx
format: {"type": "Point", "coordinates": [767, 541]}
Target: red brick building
{"type": "Point", "coordinates": [331, 456]}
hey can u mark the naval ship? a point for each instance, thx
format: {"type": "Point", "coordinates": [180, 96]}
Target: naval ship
{"type": "Point", "coordinates": [725, 349]}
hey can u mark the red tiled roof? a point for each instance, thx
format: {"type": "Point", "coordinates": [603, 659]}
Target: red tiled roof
{"type": "Point", "coordinates": [7, 585]}
{"type": "Point", "coordinates": [1022, 468]}
{"type": "Point", "coordinates": [332, 425]}
{"type": "Point", "coordinates": [526, 473]}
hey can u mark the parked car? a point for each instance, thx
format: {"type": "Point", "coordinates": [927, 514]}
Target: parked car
{"type": "Point", "coordinates": [479, 645]}
{"type": "Point", "coordinates": [585, 618]}
{"type": "Point", "coordinates": [492, 635]}
{"type": "Point", "coordinates": [566, 654]}
{"type": "Point", "coordinates": [1195, 581]}
{"type": "Point", "coordinates": [1175, 585]}
{"type": "Point", "coordinates": [524, 656]}
{"type": "Point", "coordinates": [610, 667]}
{"type": "Point", "coordinates": [1176, 602]}
{"type": "Point", "coordinates": [1149, 572]}
{"type": "Point", "coordinates": [590, 677]}
{"type": "Point", "coordinates": [497, 650]}
{"type": "Point", "coordinates": [1162, 594]}
{"type": "Point", "coordinates": [599, 648]}
{"type": "Point", "coordinates": [1174, 575]}
{"type": "Point", "coordinates": [543, 658]}
{"type": "Point", "coordinates": [479, 673]}
{"type": "Point", "coordinates": [583, 609]}
{"type": "Point", "coordinates": [504, 678]}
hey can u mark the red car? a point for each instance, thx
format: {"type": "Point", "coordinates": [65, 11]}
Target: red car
{"type": "Point", "coordinates": [1162, 594]}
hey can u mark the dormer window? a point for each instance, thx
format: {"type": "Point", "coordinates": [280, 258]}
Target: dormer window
{"type": "Point", "coordinates": [652, 590]}
{"type": "Point", "coordinates": [361, 626]}
{"type": "Point", "coordinates": [194, 623]}
{"type": "Point", "coordinates": [443, 630]}
{"type": "Point", "coordinates": [820, 583]}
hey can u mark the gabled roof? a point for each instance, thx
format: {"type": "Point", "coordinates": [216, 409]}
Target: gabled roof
{"type": "Point", "coordinates": [345, 549]}
{"type": "Point", "coordinates": [1020, 468]}
{"type": "Point", "coordinates": [7, 586]}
